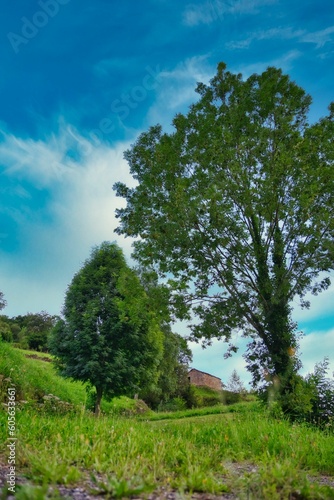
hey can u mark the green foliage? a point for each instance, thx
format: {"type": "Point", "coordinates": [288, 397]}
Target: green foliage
{"type": "Point", "coordinates": [173, 404]}
{"type": "Point", "coordinates": [309, 399]}
{"type": "Point", "coordinates": [110, 337]}
{"type": "Point", "coordinates": [5, 331]}
{"type": "Point", "coordinates": [236, 205]}
{"type": "Point", "coordinates": [172, 382]}
{"type": "Point", "coordinates": [230, 397]}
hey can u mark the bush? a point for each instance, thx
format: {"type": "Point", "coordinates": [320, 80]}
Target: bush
{"type": "Point", "coordinates": [309, 399]}
{"type": "Point", "coordinates": [229, 397]}
{"type": "Point", "coordinates": [52, 405]}
{"type": "Point", "coordinates": [174, 404]}
{"type": "Point", "coordinates": [297, 402]}
{"type": "Point", "coordinates": [128, 407]}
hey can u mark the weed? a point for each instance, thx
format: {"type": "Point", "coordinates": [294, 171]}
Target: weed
{"type": "Point", "coordinates": [280, 481]}
{"type": "Point", "coordinates": [120, 488]}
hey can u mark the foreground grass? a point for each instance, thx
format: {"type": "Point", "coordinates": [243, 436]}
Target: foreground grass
{"type": "Point", "coordinates": [210, 450]}
{"type": "Point", "coordinates": [205, 455]}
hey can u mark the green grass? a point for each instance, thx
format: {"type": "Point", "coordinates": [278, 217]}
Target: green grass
{"type": "Point", "coordinates": [34, 378]}
{"type": "Point", "coordinates": [238, 448]}
{"type": "Point", "coordinates": [187, 455]}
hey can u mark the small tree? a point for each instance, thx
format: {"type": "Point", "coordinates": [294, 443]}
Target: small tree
{"type": "Point", "coordinates": [235, 384]}
{"type": "Point", "coordinates": [109, 336]}
{"type": "Point", "coordinates": [322, 400]}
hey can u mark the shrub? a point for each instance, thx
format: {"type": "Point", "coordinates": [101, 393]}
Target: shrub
{"type": "Point", "coordinates": [52, 405]}
{"type": "Point", "coordinates": [309, 399]}
{"type": "Point", "coordinates": [229, 397]}
{"type": "Point", "coordinates": [297, 401]}
{"type": "Point", "coordinates": [174, 404]}
{"type": "Point", "coordinates": [128, 407]}
{"type": "Point", "coordinates": [199, 397]}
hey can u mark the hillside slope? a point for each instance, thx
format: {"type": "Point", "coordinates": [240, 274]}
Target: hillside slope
{"type": "Point", "coordinates": [35, 377]}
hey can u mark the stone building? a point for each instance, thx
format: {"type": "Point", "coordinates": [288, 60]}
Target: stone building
{"type": "Point", "coordinates": [196, 377]}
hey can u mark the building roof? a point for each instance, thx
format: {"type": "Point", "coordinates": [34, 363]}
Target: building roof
{"type": "Point", "coordinates": [205, 373]}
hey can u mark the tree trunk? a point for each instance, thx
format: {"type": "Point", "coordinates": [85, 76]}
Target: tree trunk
{"type": "Point", "coordinates": [99, 392]}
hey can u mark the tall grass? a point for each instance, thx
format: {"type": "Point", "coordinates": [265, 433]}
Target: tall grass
{"type": "Point", "coordinates": [186, 455]}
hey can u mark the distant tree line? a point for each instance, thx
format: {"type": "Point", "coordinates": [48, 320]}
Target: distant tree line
{"type": "Point", "coordinates": [28, 331]}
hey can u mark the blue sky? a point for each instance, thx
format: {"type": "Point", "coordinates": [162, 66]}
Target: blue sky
{"type": "Point", "coordinates": [80, 80]}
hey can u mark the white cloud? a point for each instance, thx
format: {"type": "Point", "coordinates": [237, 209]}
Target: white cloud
{"type": "Point", "coordinates": [80, 213]}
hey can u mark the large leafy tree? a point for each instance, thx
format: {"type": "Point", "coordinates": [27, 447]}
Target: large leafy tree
{"type": "Point", "coordinates": [236, 204]}
{"type": "Point", "coordinates": [109, 337]}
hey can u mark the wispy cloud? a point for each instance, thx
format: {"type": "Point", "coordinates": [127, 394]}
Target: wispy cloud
{"type": "Point", "coordinates": [285, 62]}
{"type": "Point", "coordinates": [177, 86]}
{"type": "Point", "coordinates": [319, 38]}
{"type": "Point", "coordinates": [281, 33]}
{"type": "Point", "coordinates": [215, 10]}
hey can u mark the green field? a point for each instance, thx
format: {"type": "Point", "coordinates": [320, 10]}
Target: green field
{"type": "Point", "coordinates": [239, 451]}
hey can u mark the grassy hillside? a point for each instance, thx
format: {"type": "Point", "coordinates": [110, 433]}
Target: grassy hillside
{"type": "Point", "coordinates": [35, 378]}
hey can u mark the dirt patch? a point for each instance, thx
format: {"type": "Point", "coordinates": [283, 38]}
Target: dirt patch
{"type": "Point", "coordinates": [40, 358]}
{"type": "Point", "coordinates": [84, 490]}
